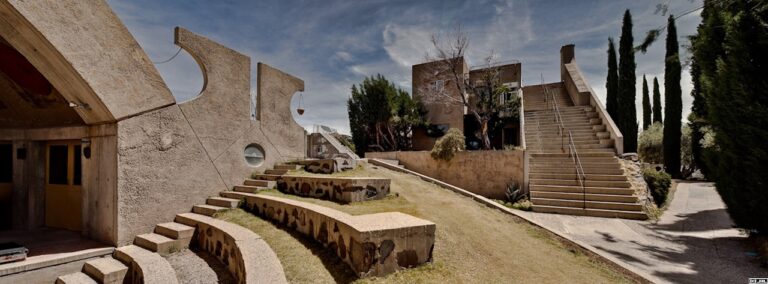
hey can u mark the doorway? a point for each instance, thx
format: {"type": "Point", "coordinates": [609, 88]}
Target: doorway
{"type": "Point", "coordinates": [6, 184]}
{"type": "Point", "coordinates": [63, 185]}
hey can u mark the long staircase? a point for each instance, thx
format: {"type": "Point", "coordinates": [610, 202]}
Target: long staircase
{"type": "Point", "coordinates": [573, 166]}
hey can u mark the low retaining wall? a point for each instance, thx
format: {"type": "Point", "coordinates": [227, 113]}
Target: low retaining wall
{"type": "Point", "coordinates": [342, 189]}
{"type": "Point", "coordinates": [326, 166]}
{"type": "Point", "coordinates": [481, 172]}
{"type": "Point", "coordinates": [248, 257]}
{"type": "Point", "coordinates": [372, 245]}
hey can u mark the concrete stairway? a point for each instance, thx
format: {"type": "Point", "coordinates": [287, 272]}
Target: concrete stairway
{"type": "Point", "coordinates": [554, 187]}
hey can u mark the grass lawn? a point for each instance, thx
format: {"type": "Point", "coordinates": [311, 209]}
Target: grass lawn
{"type": "Point", "coordinates": [474, 243]}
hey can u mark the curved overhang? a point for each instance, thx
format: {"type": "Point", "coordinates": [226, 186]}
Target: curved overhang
{"type": "Point", "coordinates": [87, 54]}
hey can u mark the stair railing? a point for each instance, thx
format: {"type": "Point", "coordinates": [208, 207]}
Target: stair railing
{"type": "Point", "coordinates": [572, 151]}
{"type": "Point", "coordinates": [580, 175]}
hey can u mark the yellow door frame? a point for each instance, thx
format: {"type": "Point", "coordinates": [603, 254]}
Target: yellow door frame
{"type": "Point", "coordinates": [63, 202]}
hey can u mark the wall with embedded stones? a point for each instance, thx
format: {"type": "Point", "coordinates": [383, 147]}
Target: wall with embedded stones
{"type": "Point", "coordinates": [372, 245]}
{"type": "Point", "coordinates": [341, 189]}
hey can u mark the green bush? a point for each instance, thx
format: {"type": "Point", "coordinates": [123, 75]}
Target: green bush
{"type": "Point", "coordinates": [659, 183]}
{"type": "Point", "coordinates": [447, 146]}
{"type": "Point", "coordinates": [650, 148]}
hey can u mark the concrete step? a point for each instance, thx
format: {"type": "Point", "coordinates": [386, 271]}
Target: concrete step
{"type": "Point", "coordinates": [580, 190]}
{"type": "Point", "coordinates": [207, 210]}
{"type": "Point", "coordinates": [558, 160]}
{"type": "Point", "coordinates": [150, 266]}
{"type": "Point", "coordinates": [233, 194]}
{"type": "Point", "coordinates": [560, 155]}
{"type": "Point", "coordinates": [269, 177]}
{"type": "Point", "coordinates": [287, 167]}
{"type": "Point", "coordinates": [276, 171]}
{"type": "Point", "coordinates": [589, 204]}
{"type": "Point", "coordinates": [160, 244]}
{"type": "Point", "coordinates": [582, 152]}
{"type": "Point", "coordinates": [260, 182]}
{"type": "Point", "coordinates": [222, 202]}
{"type": "Point", "coordinates": [593, 177]}
{"type": "Point", "coordinates": [571, 165]}
{"type": "Point", "coordinates": [106, 270]}
{"type": "Point", "coordinates": [579, 146]}
{"type": "Point", "coordinates": [580, 196]}
{"type": "Point", "coordinates": [588, 171]}
{"type": "Point", "coordinates": [574, 182]}
{"type": "Point", "coordinates": [75, 278]}
{"type": "Point", "coordinates": [175, 230]}
{"type": "Point", "coordinates": [249, 189]}
{"type": "Point", "coordinates": [590, 212]}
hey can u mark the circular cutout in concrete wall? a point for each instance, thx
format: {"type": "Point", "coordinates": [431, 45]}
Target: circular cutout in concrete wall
{"type": "Point", "coordinates": [254, 155]}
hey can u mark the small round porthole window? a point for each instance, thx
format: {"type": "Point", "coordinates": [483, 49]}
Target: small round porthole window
{"type": "Point", "coordinates": [254, 155]}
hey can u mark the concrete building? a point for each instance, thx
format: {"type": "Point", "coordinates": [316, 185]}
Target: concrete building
{"type": "Point", "coordinates": [438, 92]}
{"type": "Point", "coordinates": [93, 141]}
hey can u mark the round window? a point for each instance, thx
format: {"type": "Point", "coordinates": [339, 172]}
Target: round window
{"type": "Point", "coordinates": [254, 155]}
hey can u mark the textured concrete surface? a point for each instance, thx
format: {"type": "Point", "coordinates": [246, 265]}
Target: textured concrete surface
{"type": "Point", "coordinates": [91, 59]}
{"type": "Point", "coordinates": [342, 189]}
{"type": "Point", "coordinates": [327, 166]}
{"type": "Point", "coordinates": [693, 242]}
{"type": "Point", "coordinates": [199, 267]}
{"type": "Point", "coordinates": [145, 266]}
{"type": "Point", "coordinates": [244, 253]}
{"type": "Point", "coordinates": [151, 148]}
{"type": "Point", "coordinates": [482, 172]}
{"type": "Point", "coordinates": [372, 244]}
{"type": "Point", "coordinates": [275, 90]}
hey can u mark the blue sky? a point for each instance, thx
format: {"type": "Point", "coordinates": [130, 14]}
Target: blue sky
{"type": "Point", "coordinates": [334, 44]}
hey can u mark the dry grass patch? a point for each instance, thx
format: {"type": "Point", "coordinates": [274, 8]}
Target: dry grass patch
{"type": "Point", "coordinates": [474, 243]}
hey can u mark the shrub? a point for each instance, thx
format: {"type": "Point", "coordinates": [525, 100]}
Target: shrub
{"type": "Point", "coordinates": [650, 147]}
{"type": "Point", "coordinates": [659, 183]}
{"type": "Point", "coordinates": [447, 146]}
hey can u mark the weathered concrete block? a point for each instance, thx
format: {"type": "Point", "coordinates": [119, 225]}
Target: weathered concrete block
{"type": "Point", "coordinates": [372, 245]}
{"type": "Point", "coordinates": [343, 189]}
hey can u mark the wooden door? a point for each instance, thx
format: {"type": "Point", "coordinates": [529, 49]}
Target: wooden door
{"type": "Point", "coordinates": [6, 184]}
{"type": "Point", "coordinates": [63, 185]}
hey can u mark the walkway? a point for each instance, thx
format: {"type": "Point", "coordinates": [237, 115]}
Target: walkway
{"type": "Point", "coordinates": [693, 242]}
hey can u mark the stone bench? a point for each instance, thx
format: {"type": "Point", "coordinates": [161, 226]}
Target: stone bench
{"type": "Point", "coordinates": [245, 254]}
{"type": "Point", "coordinates": [326, 166]}
{"type": "Point", "coordinates": [372, 245]}
{"type": "Point", "coordinates": [342, 189]}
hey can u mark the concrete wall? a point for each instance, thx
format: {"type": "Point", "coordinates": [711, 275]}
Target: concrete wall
{"type": "Point", "coordinates": [581, 93]}
{"type": "Point", "coordinates": [372, 245]}
{"type": "Point", "coordinates": [482, 172]}
{"type": "Point", "coordinates": [440, 110]}
{"type": "Point", "coordinates": [175, 157]}
{"type": "Point", "coordinates": [340, 189]}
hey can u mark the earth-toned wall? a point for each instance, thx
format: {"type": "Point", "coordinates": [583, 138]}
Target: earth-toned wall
{"type": "Point", "coordinates": [175, 157]}
{"type": "Point", "coordinates": [342, 189]}
{"type": "Point", "coordinates": [372, 245]}
{"type": "Point", "coordinates": [481, 172]}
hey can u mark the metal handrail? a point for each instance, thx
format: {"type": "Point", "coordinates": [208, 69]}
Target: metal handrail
{"type": "Point", "coordinates": [580, 175]}
{"type": "Point", "coordinates": [572, 151]}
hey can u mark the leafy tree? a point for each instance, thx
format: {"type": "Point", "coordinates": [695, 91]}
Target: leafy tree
{"type": "Point", "coordinates": [381, 116]}
{"type": "Point", "coordinates": [737, 110]}
{"type": "Point", "coordinates": [657, 117]}
{"type": "Point", "coordinates": [673, 102]}
{"type": "Point", "coordinates": [649, 148]}
{"type": "Point", "coordinates": [612, 82]}
{"type": "Point", "coordinates": [482, 97]}
{"type": "Point", "coordinates": [646, 105]}
{"type": "Point", "coordinates": [626, 95]}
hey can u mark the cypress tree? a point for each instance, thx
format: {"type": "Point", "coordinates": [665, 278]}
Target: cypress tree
{"type": "Point", "coordinates": [737, 109]}
{"type": "Point", "coordinates": [612, 83]}
{"type": "Point", "coordinates": [646, 105]}
{"type": "Point", "coordinates": [656, 101]}
{"type": "Point", "coordinates": [673, 102]}
{"type": "Point", "coordinates": [627, 79]}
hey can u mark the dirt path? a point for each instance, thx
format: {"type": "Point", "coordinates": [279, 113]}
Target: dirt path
{"type": "Point", "coordinates": [474, 243]}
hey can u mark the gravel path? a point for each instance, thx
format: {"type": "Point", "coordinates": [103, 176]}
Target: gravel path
{"type": "Point", "coordinates": [194, 266]}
